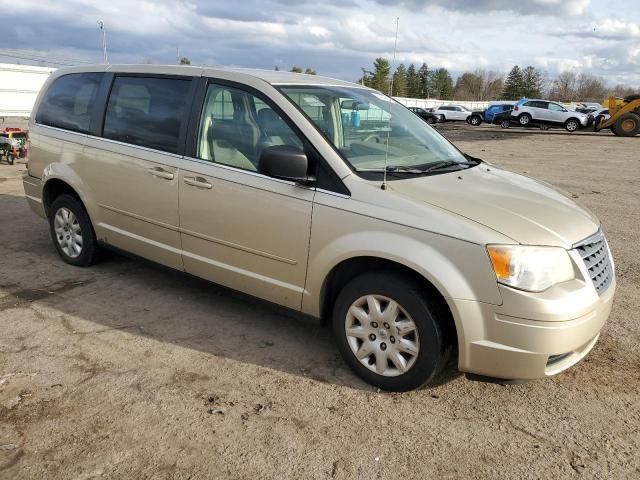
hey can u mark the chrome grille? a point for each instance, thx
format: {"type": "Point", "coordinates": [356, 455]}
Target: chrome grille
{"type": "Point", "coordinates": [595, 255]}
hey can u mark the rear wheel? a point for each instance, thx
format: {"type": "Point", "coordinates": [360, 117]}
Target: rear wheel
{"type": "Point", "coordinates": [505, 123]}
{"type": "Point", "coordinates": [388, 331]}
{"type": "Point", "coordinates": [524, 119]}
{"type": "Point", "coordinates": [71, 232]}
{"type": "Point", "coordinates": [475, 120]}
{"type": "Point", "coordinates": [627, 125]}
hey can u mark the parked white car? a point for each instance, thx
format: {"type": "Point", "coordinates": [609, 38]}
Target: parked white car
{"type": "Point", "coordinates": [453, 113]}
{"type": "Point", "coordinates": [544, 112]}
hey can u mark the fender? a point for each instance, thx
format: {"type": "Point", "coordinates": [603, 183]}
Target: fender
{"type": "Point", "coordinates": [465, 275]}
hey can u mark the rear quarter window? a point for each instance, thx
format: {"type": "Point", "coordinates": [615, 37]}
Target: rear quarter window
{"type": "Point", "coordinates": [69, 102]}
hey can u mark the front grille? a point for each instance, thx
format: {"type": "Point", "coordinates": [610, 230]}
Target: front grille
{"type": "Point", "coordinates": [595, 254]}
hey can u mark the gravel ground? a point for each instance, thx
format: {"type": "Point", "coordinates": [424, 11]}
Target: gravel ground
{"type": "Point", "coordinates": [127, 370]}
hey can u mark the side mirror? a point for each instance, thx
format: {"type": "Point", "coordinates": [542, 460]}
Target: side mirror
{"type": "Point", "coordinates": [285, 162]}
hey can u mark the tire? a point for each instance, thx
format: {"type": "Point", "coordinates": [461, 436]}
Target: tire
{"type": "Point", "coordinates": [377, 339]}
{"type": "Point", "coordinates": [628, 125]}
{"type": "Point", "coordinates": [475, 120]}
{"type": "Point", "coordinates": [505, 123]}
{"type": "Point", "coordinates": [10, 160]}
{"type": "Point", "coordinates": [67, 217]}
{"type": "Point", "coordinates": [572, 125]}
{"type": "Point", "coordinates": [524, 119]}
{"type": "Point", "coordinates": [430, 120]}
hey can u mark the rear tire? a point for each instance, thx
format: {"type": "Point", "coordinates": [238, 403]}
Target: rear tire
{"type": "Point", "coordinates": [524, 119]}
{"type": "Point", "coordinates": [475, 120]}
{"type": "Point", "coordinates": [72, 232]}
{"type": "Point", "coordinates": [628, 125]}
{"type": "Point", "coordinates": [364, 324]}
{"type": "Point", "coordinates": [505, 123]}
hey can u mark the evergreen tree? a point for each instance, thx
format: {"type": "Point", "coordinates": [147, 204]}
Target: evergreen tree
{"type": "Point", "coordinates": [532, 83]}
{"type": "Point", "coordinates": [514, 84]}
{"type": "Point", "coordinates": [310, 71]}
{"type": "Point", "coordinates": [413, 82]}
{"type": "Point", "coordinates": [296, 69]}
{"type": "Point", "coordinates": [442, 84]}
{"type": "Point", "coordinates": [424, 78]}
{"type": "Point", "coordinates": [400, 81]}
{"type": "Point", "coordinates": [380, 78]}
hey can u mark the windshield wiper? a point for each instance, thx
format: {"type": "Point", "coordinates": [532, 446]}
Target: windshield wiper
{"type": "Point", "coordinates": [448, 164]}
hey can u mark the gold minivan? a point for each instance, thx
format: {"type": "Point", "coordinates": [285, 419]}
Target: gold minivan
{"type": "Point", "coordinates": [330, 199]}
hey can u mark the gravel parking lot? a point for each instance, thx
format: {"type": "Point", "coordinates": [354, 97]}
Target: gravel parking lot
{"type": "Point", "coordinates": [127, 370]}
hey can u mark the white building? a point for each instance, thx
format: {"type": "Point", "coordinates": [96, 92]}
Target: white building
{"type": "Point", "coordinates": [19, 87]}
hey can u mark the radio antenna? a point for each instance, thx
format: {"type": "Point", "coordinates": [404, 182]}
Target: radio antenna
{"type": "Point", "coordinates": [393, 64]}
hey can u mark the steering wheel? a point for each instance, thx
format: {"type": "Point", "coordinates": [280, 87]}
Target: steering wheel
{"type": "Point", "coordinates": [371, 136]}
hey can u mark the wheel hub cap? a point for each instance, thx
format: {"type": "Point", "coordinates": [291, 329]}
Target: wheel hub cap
{"type": "Point", "coordinates": [68, 232]}
{"type": "Point", "coordinates": [382, 335]}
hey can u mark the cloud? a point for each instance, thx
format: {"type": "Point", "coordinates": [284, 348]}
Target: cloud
{"type": "Point", "coordinates": [336, 37]}
{"type": "Point", "coordinates": [526, 7]}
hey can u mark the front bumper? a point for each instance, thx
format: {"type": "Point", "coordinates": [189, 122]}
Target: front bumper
{"type": "Point", "coordinates": [498, 345]}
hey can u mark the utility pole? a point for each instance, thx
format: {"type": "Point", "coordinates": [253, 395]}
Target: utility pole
{"type": "Point", "coordinates": [104, 41]}
{"type": "Point", "coordinates": [177, 55]}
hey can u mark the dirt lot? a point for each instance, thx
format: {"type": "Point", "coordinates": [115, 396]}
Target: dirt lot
{"type": "Point", "coordinates": [126, 370]}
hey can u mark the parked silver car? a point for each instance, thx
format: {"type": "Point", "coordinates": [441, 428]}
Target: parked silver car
{"type": "Point", "coordinates": [327, 198]}
{"type": "Point", "coordinates": [544, 112]}
{"type": "Point", "coordinates": [453, 113]}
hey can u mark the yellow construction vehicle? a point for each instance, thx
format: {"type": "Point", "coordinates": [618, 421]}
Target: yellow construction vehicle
{"type": "Point", "coordinates": [625, 116]}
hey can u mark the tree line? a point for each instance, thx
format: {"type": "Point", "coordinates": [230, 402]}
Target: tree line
{"type": "Point", "coordinates": [483, 85]}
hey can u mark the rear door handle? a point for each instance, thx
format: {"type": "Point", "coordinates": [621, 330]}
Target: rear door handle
{"type": "Point", "coordinates": [199, 182]}
{"type": "Point", "coordinates": [161, 173]}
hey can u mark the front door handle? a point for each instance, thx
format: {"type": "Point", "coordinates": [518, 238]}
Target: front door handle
{"type": "Point", "coordinates": [161, 173]}
{"type": "Point", "coordinates": [199, 182]}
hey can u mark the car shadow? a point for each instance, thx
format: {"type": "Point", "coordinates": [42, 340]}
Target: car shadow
{"type": "Point", "coordinates": [165, 305]}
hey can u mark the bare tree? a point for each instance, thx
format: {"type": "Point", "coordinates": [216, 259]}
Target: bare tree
{"type": "Point", "coordinates": [564, 87]}
{"type": "Point", "coordinates": [590, 88]}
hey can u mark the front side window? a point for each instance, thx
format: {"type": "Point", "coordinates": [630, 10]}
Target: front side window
{"type": "Point", "coordinates": [147, 111]}
{"type": "Point", "coordinates": [371, 130]}
{"type": "Point", "coordinates": [69, 102]}
{"type": "Point", "coordinates": [235, 126]}
{"type": "Point", "coordinates": [554, 107]}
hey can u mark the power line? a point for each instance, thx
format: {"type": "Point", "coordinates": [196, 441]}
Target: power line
{"type": "Point", "coordinates": [35, 57]}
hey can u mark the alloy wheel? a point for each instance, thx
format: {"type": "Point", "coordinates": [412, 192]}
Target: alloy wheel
{"type": "Point", "coordinates": [382, 335]}
{"type": "Point", "coordinates": [68, 232]}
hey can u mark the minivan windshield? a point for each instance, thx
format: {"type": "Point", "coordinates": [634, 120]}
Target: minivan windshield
{"type": "Point", "coordinates": [367, 127]}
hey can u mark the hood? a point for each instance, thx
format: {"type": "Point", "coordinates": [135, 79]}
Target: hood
{"type": "Point", "coordinates": [526, 210]}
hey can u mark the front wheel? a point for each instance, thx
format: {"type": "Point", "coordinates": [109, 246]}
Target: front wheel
{"type": "Point", "coordinates": [627, 125]}
{"type": "Point", "coordinates": [388, 331]}
{"type": "Point", "coordinates": [572, 125]}
{"type": "Point", "coordinates": [430, 120]}
{"type": "Point", "coordinates": [505, 123]}
{"type": "Point", "coordinates": [475, 121]}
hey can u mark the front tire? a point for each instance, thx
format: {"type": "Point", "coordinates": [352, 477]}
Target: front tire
{"type": "Point", "coordinates": [388, 331]}
{"type": "Point", "coordinates": [628, 125]}
{"type": "Point", "coordinates": [475, 120]}
{"type": "Point", "coordinates": [72, 232]}
{"type": "Point", "coordinates": [505, 123]}
{"type": "Point", "coordinates": [572, 125]}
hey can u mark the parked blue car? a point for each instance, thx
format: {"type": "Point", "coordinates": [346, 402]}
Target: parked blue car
{"type": "Point", "coordinates": [479, 116]}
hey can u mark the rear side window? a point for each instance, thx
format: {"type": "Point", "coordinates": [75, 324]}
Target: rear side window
{"type": "Point", "coordinates": [69, 102]}
{"type": "Point", "coordinates": [147, 111]}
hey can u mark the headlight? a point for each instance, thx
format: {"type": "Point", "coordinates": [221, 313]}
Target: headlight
{"type": "Point", "coordinates": [530, 268]}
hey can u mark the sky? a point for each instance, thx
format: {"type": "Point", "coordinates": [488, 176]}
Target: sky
{"type": "Point", "coordinates": [335, 37]}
